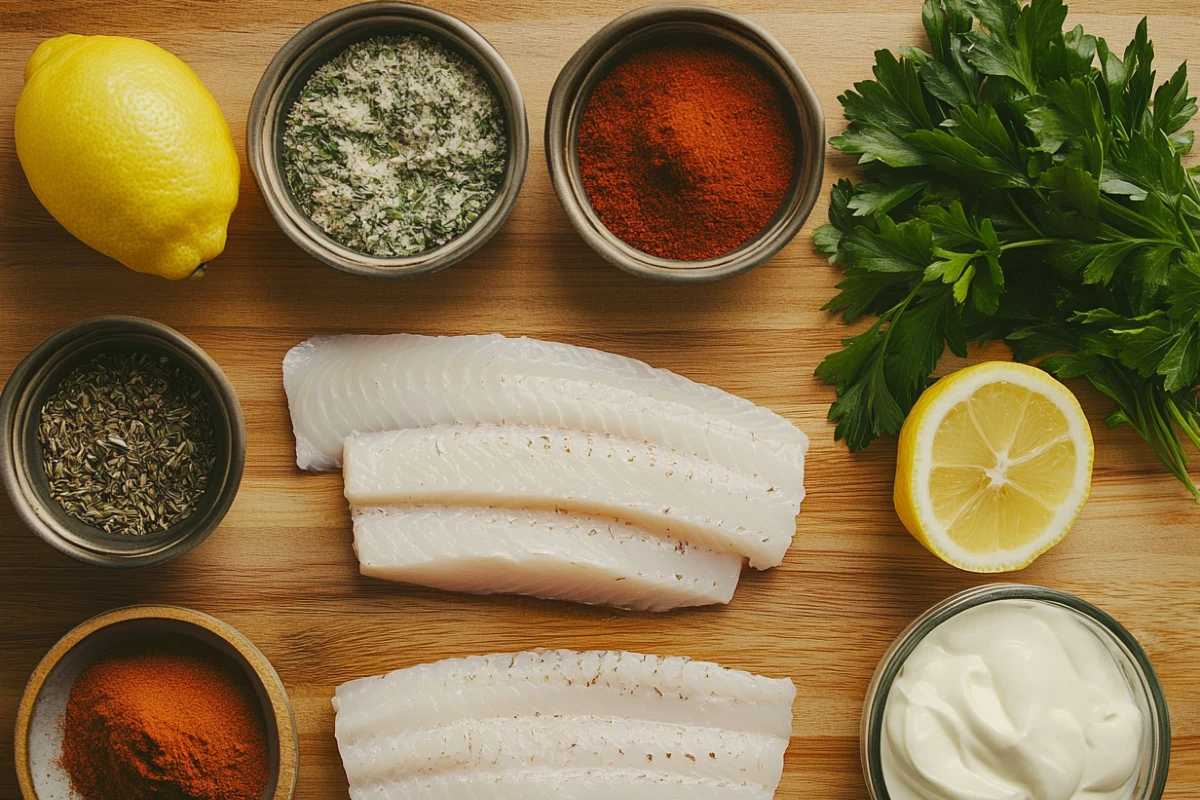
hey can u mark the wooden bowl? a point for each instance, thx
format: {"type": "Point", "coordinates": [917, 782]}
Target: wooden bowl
{"type": "Point", "coordinates": [38, 743]}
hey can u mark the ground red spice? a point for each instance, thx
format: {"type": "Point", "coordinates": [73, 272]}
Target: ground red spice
{"type": "Point", "coordinates": [165, 719]}
{"type": "Point", "coordinates": [685, 150]}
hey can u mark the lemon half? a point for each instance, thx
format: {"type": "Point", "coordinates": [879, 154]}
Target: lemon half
{"type": "Point", "coordinates": [994, 466]}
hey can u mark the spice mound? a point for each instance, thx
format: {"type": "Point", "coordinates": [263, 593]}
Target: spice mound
{"type": "Point", "coordinates": [128, 443]}
{"type": "Point", "coordinates": [686, 151]}
{"type": "Point", "coordinates": [168, 718]}
{"type": "Point", "coordinates": [396, 146]}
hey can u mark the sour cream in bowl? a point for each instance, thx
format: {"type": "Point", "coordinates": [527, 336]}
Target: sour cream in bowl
{"type": "Point", "coordinates": [1012, 692]}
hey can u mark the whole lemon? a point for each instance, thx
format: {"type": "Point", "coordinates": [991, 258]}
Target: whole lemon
{"type": "Point", "coordinates": [127, 149]}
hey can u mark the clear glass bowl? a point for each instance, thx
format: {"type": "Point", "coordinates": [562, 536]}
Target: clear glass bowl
{"type": "Point", "coordinates": [1143, 683]}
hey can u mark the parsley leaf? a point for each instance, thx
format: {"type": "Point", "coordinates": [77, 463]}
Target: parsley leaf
{"type": "Point", "coordinates": [1026, 185]}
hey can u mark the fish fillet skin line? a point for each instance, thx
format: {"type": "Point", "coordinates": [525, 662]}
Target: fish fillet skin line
{"type": "Point", "coordinates": [568, 742]}
{"type": "Point", "coordinates": [679, 496]}
{"type": "Point", "coordinates": [549, 682]}
{"type": "Point", "coordinates": [559, 784]}
{"type": "Point", "coordinates": [549, 554]}
{"type": "Point", "coordinates": [338, 386]}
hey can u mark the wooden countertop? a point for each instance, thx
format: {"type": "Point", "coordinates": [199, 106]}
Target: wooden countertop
{"type": "Point", "coordinates": [281, 568]}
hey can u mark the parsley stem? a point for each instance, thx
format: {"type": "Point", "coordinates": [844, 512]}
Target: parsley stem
{"type": "Point", "coordinates": [1029, 243]}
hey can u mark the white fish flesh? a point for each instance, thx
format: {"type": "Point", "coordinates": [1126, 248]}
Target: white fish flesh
{"type": "Point", "coordinates": [660, 489]}
{"type": "Point", "coordinates": [338, 386]}
{"type": "Point", "coordinates": [560, 784]}
{"type": "Point", "coordinates": [549, 554]}
{"type": "Point", "coordinates": [610, 683]}
{"type": "Point", "coordinates": [569, 742]}
{"type": "Point", "coordinates": [600, 725]}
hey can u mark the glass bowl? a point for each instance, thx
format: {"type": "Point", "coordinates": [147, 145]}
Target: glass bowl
{"type": "Point", "coordinates": [1129, 655]}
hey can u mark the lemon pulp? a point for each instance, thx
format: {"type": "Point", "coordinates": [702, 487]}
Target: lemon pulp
{"type": "Point", "coordinates": [994, 465]}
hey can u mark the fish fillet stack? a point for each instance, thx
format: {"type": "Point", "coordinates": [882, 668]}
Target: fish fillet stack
{"type": "Point", "coordinates": [561, 725]}
{"type": "Point", "coordinates": [487, 464]}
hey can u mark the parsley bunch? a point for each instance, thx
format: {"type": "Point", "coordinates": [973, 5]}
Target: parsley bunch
{"type": "Point", "coordinates": [1023, 184]}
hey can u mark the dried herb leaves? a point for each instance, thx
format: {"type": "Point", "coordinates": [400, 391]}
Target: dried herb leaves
{"type": "Point", "coordinates": [395, 146]}
{"type": "Point", "coordinates": [128, 443]}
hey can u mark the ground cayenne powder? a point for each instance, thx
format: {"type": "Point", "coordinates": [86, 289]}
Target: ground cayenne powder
{"type": "Point", "coordinates": [686, 151]}
{"type": "Point", "coordinates": [168, 718]}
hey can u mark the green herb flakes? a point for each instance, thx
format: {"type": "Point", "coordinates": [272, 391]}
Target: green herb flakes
{"type": "Point", "coordinates": [396, 146]}
{"type": "Point", "coordinates": [128, 443]}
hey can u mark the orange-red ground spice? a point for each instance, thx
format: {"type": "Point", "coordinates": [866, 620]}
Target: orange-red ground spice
{"type": "Point", "coordinates": [686, 151]}
{"type": "Point", "coordinates": [168, 718]}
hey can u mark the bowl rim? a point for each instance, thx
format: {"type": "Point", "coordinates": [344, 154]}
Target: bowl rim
{"type": "Point", "coordinates": [283, 717]}
{"type": "Point", "coordinates": [564, 98]}
{"type": "Point", "coordinates": [66, 341]}
{"type": "Point", "coordinates": [272, 185]}
{"type": "Point", "coordinates": [875, 702]}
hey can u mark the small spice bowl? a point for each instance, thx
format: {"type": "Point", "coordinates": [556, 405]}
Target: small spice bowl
{"type": "Point", "coordinates": [646, 27]}
{"type": "Point", "coordinates": [314, 46]}
{"type": "Point", "coordinates": [21, 453]}
{"type": "Point", "coordinates": [39, 731]}
{"type": "Point", "coordinates": [1131, 659]}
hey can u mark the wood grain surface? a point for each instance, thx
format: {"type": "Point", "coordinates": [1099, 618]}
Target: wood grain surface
{"type": "Point", "coordinates": [281, 568]}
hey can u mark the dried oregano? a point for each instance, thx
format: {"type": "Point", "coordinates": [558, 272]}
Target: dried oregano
{"type": "Point", "coordinates": [128, 443]}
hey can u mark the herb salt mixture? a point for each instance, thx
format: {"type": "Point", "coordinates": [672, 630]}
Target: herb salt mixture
{"type": "Point", "coordinates": [395, 146]}
{"type": "Point", "coordinates": [128, 443]}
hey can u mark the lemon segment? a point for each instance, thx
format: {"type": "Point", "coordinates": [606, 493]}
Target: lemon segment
{"type": "Point", "coordinates": [994, 466]}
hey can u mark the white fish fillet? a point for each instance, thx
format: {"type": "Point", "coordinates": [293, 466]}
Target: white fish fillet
{"type": "Point", "coordinates": [548, 682]}
{"type": "Point", "coordinates": [338, 386]}
{"type": "Point", "coordinates": [549, 554]}
{"type": "Point", "coordinates": [560, 784]}
{"type": "Point", "coordinates": [569, 742]}
{"type": "Point", "coordinates": [680, 496]}
{"type": "Point", "coordinates": [555, 725]}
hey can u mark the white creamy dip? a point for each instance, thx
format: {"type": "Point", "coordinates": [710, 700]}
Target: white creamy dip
{"type": "Point", "coordinates": [1011, 700]}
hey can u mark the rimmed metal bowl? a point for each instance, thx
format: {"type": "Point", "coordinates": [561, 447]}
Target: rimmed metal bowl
{"type": "Point", "coordinates": [1121, 644]}
{"type": "Point", "coordinates": [646, 27]}
{"type": "Point", "coordinates": [22, 468]}
{"type": "Point", "coordinates": [314, 46]}
{"type": "Point", "coordinates": [39, 730]}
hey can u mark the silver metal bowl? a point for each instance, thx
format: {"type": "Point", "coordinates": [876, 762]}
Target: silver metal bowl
{"type": "Point", "coordinates": [646, 27]}
{"type": "Point", "coordinates": [315, 45]}
{"type": "Point", "coordinates": [21, 456]}
{"type": "Point", "coordinates": [1125, 649]}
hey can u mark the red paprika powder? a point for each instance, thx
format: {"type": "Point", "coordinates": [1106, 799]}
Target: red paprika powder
{"type": "Point", "coordinates": [686, 151]}
{"type": "Point", "coordinates": [168, 718]}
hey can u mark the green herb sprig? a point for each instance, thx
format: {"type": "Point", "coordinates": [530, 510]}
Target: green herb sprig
{"type": "Point", "coordinates": [1027, 185]}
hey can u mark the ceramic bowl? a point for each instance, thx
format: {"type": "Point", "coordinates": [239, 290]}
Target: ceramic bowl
{"type": "Point", "coordinates": [647, 27]}
{"type": "Point", "coordinates": [315, 45]}
{"type": "Point", "coordinates": [39, 731]}
{"type": "Point", "coordinates": [21, 454]}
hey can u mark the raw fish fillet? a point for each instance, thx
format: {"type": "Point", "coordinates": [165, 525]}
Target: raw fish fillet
{"type": "Point", "coordinates": [598, 683]}
{"type": "Point", "coordinates": [550, 554]}
{"type": "Point", "coordinates": [338, 386]}
{"type": "Point", "coordinates": [561, 725]}
{"type": "Point", "coordinates": [660, 489]}
{"type": "Point", "coordinates": [569, 742]}
{"type": "Point", "coordinates": [560, 784]}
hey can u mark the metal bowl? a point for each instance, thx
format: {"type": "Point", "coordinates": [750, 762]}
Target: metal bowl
{"type": "Point", "coordinates": [21, 454]}
{"type": "Point", "coordinates": [1125, 649]}
{"type": "Point", "coordinates": [647, 27]}
{"type": "Point", "coordinates": [315, 45]}
{"type": "Point", "coordinates": [39, 732]}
